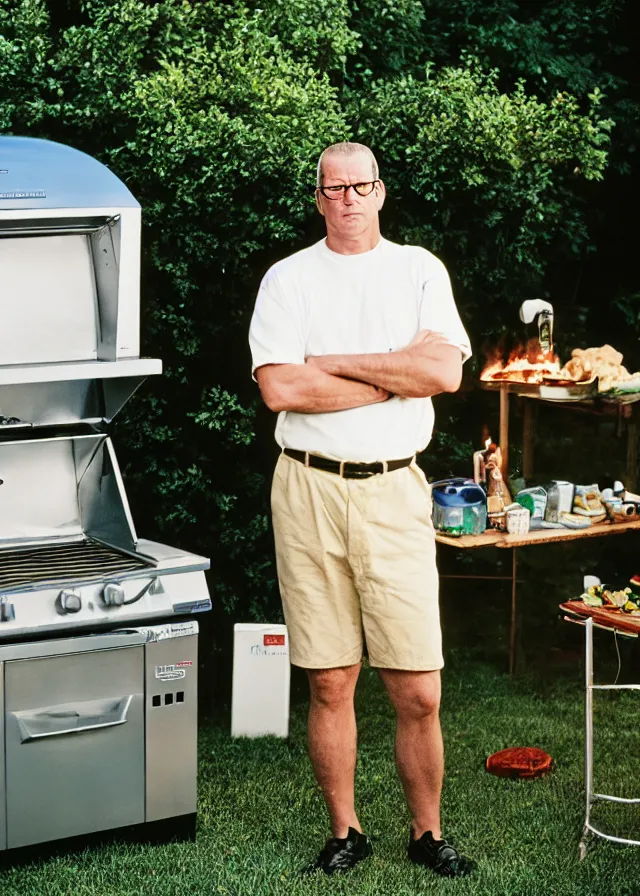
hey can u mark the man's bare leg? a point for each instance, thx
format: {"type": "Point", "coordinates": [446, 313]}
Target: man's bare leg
{"type": "Point", "coordinates": [332, 739]}
{"type": "Point", "coordinates": [419, 750]}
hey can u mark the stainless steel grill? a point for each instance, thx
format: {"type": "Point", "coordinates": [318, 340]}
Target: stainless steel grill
{"type": "Point", "coordinates": [85, 561]}
{"type": "Point", "coordinates": [98, 647]}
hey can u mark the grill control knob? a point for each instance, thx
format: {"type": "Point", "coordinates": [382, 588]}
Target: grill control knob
{"type": "Point", "coordinates": [113, 595]}
{"type": "Point", "coordinates": [70, 602]}
{"type": "Point", "coordinates": [7, 611]}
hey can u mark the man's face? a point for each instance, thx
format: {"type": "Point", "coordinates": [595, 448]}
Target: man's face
{"type": "Point", "coordinates": [351, 216]}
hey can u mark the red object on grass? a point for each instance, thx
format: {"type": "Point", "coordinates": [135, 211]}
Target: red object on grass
{"type": "Point", "coordinates": [519, 762]}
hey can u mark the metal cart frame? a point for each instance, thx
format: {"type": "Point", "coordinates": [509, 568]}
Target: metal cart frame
{"type": "Point", "coordinates": [590, 796]}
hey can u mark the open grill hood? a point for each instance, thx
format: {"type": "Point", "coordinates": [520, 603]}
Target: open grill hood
{"type": "Point", "coordinates": [63, 488]}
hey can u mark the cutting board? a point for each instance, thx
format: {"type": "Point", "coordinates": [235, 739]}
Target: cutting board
{"type": "Point", "coordinates": [612, 618]}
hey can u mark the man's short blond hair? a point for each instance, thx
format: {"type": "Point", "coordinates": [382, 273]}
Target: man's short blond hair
{"type": "Point", "coordinates": [346, 149]}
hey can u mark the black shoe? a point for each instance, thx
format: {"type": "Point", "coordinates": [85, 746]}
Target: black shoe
{"type": "Point", "coordinates": [342, 853]}
{"type": "Point", "coordinates": [439, 855]}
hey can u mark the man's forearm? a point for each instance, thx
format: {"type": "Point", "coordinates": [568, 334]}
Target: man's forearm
{"type": "Point", "coordinates": [307, 389]}
{"type": "Point", "coordinates": [414, 373]}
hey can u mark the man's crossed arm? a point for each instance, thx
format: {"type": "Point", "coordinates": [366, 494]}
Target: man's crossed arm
{"type": "Point", "coordinates": [427, 366]}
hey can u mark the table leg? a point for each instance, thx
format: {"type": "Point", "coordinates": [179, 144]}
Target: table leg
{"type": "Point", "coordinates": [631, 482]}
{"type": "Point", "coordinates": [514, 614]}
{"type": "Point", "coordinates": [504, 430]}
{"type": "Point", "coordinates": [528, 434]}
{"type": "Point", "coordinates": [588, 732]}
{"type": "Point", "coordinates": [511, 578]}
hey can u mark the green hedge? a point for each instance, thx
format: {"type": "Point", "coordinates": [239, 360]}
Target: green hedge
{"type": "Point", "coordinates": [214, 114]}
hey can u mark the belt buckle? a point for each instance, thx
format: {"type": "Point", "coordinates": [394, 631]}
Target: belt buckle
{"type": "Point", "coordinates": [362, 474]}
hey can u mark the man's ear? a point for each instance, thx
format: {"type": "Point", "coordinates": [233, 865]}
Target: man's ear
{"type": "Point", "coordinates": [381, 192]}
{"type": "Point", "coordinates": [318, 205]}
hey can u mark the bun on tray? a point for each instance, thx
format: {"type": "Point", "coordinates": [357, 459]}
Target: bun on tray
{"type": "Point", "coordinates": [603, 362]}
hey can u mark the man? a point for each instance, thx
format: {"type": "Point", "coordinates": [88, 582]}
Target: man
{"type": "Point", "coordinates": [350, 339]}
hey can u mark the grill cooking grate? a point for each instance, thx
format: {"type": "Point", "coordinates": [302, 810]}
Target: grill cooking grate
{"type": "Point", "coordinates": [86, 561]}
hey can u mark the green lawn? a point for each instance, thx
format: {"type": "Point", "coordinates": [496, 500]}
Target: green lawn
{"type": "Point", "coordinates": [261, 816]}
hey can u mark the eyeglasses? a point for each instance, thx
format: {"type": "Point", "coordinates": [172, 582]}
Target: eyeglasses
{"type": "Point", "coordinates": [340, 190]}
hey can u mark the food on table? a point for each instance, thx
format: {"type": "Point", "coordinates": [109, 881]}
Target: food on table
{"type": "Point", "coordinates": [533, 365]}
{"type": "Point", "coordinates": [573, 521]}
{"type": "Point", "coordinates": [617, 598]}
{"type": "Point", "coordinates": [603, 362]}
{"type": "Point", "coordinates": [586, 501]}
{"type": "Point", "coordinates": [623, 599]}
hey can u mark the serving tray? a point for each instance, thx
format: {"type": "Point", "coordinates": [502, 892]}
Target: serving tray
{"type": "Point", "coordinates": [611, 617]}
{"type": "Point", "coordinates": [563, 390]}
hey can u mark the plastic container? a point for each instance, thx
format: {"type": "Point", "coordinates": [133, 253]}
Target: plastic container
{"type": "Point", "coordinates": [535, 500]}
{"type": "Point", "coordinates": [459, 507]}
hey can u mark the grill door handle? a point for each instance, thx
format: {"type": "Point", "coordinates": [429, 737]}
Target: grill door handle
{"type": "Point", "coordinates": [68, 718]}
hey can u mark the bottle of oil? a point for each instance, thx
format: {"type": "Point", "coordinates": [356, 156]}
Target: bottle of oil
{"type": "Point", "coordinates": [545, 331]}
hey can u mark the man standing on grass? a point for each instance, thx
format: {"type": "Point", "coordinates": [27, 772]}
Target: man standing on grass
{"type": "Point", "coordinates": [350, 339]}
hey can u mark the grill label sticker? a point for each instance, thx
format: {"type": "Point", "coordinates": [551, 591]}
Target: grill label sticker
{"type": "Point", "coordinates": [173, 671]}
{"type": "Point", "coordinates": [274, 640]}
{"type": "Point", "coordinates": [24, 194]}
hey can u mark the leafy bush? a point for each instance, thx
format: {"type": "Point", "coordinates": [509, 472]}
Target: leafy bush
{"type": "Point", "coordinates": [214, 114]}
{"type": "Point", "coordinates": [489, 181]}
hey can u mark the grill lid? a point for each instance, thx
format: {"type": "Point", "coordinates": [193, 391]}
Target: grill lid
{"type": "Point", "coordinates": [62, 488]}
{"type": "Point", "coordinates": [41, 174]}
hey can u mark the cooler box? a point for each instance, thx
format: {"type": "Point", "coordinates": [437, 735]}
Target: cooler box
{"type": "Point", "coordinates": [261, 680]}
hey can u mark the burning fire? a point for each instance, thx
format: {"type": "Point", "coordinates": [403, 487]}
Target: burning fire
{"type": "Point", "coordinates": [525, 365]}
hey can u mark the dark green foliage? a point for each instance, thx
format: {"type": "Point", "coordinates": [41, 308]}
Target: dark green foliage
{"type": "Point", "coordinates": [472, 163]}
{"type": "Point", "coordinates": [493, 127]}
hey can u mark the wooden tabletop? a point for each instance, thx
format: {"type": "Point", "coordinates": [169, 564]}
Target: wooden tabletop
{"type": "Point", "coordinates": [496, 539]}
{"type": "Point", "coordinates": [604, 617]}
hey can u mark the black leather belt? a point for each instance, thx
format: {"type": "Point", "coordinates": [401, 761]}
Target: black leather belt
{"type": "Point", "coordinates": [347, 469]}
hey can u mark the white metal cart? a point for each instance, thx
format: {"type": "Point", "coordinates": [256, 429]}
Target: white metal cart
{"type": "Point", "coordinates": [590, 796]}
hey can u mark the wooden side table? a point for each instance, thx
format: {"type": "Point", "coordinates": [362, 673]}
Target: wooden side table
{"type": "Point", "coordinates": [502, 540]}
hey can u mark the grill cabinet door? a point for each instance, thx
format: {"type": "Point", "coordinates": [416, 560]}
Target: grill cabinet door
{"type": "Point", "coordinates": [74, 744]}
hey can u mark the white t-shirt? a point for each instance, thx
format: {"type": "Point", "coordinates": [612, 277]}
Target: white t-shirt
{"type": "Point", "coordinates": [318, 302]}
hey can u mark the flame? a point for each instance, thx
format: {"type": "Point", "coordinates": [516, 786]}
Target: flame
{"type": "Point", "coordinates": [526, 364]}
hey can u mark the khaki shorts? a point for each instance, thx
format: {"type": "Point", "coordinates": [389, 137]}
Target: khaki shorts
{"type": "Point", "coordinates": [354, 554]}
